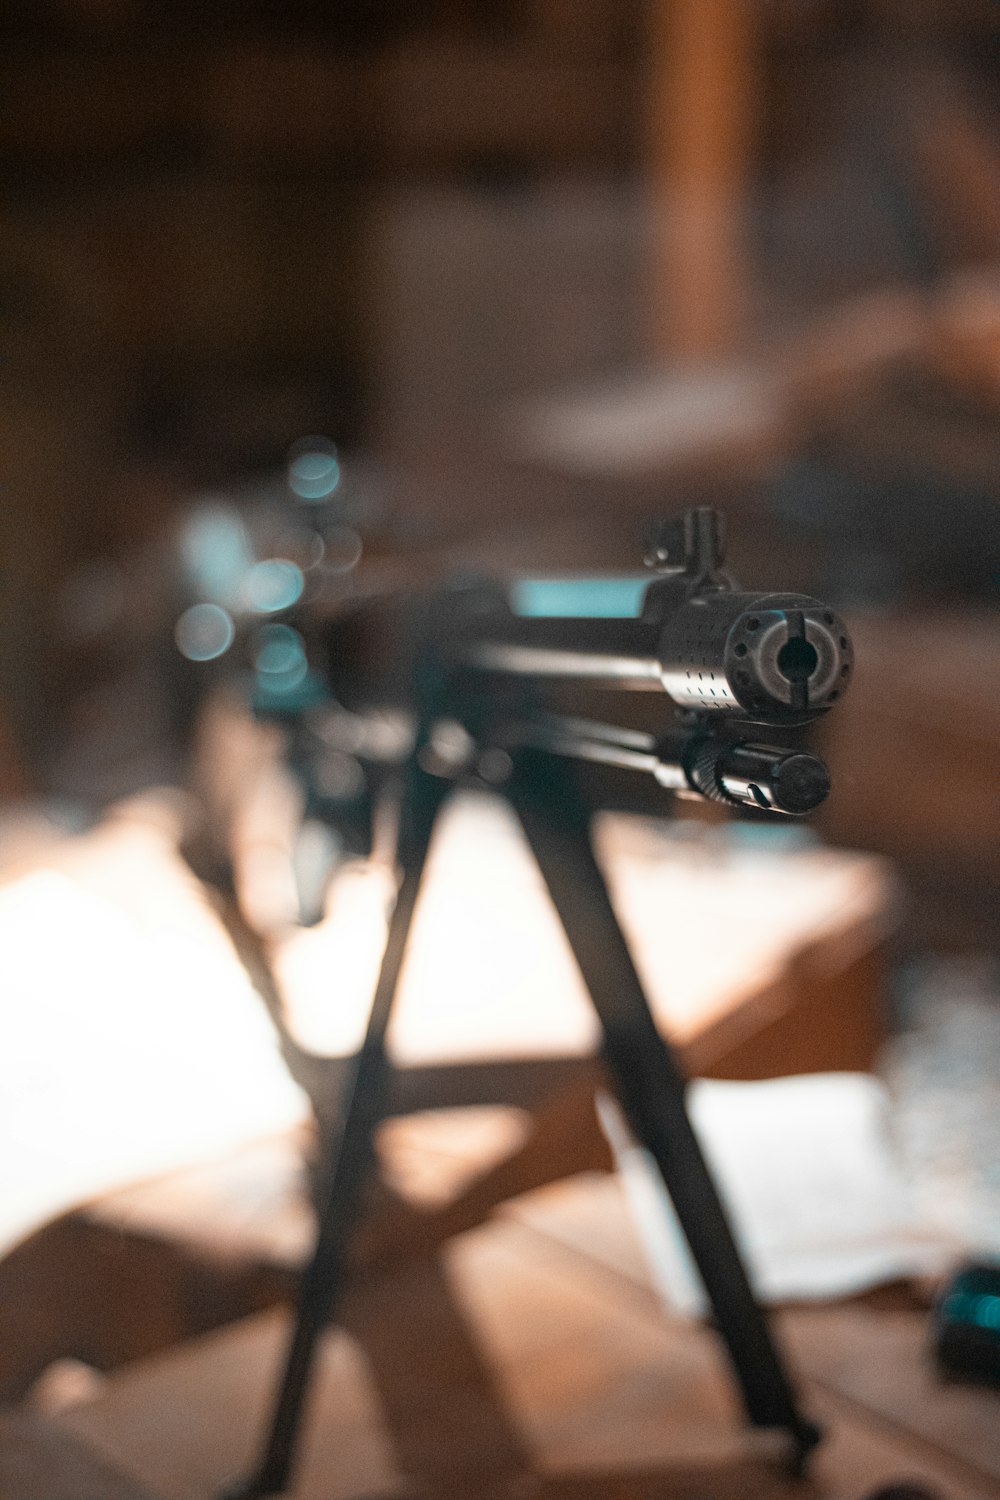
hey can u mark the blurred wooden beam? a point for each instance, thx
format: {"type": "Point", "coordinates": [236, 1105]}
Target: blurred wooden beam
{"type": "Point", "coordinates": [702, 104]}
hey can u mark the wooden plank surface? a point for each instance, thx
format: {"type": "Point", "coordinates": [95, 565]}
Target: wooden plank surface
{"type": "Point", "coordinates": [879, 1362]}
{"type": "Point", "coordinates": [514, 1361]}
{"type": "Point", "coordinates": [41, 1461]}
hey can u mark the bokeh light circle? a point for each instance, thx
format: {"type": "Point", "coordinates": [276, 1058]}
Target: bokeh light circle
{"type": "Point", "coordinates": [313, 468]}
{"type": "Point", "coordinates": [343, 549]}
{"type": "Point", "coordinates": [273, 585]}
{"type": "Point", "coordinates": [204, 632]}
{"type": "Point", "coordinates": [279, 650]}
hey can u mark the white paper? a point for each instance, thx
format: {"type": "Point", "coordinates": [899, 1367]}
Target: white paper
{"type": "Point", "coordinates": [805, 1168]}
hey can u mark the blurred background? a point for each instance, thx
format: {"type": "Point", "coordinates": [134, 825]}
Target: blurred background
{"type": "Point", "coordinates": [540, 271]}
{"type": "Point", "coordinates": [497, 283]}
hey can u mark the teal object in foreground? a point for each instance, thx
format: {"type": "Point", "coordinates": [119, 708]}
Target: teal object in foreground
{"type": "Point", "coordinates": [967, 1325]}
{"type": "Point", "coordinates": [579, 598]}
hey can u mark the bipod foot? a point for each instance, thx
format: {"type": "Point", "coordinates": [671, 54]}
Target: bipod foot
{"type": "Point", "coordinates": [805, 1437]}
{"type": "Point", "coordinates": [256, 1487]}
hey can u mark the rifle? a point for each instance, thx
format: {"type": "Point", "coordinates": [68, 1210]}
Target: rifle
{"type": "Point", "coordinates": [726, 659]}
{"type": "Point", "coordinates": [481, 670]}
{"type": "Point", "coordinates": [485, 679]}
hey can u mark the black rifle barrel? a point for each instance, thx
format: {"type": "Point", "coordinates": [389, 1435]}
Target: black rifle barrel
{"type": "Point", "coordinates": [612, 653]}
{"type": "Point", "coordinates": [769, 658]}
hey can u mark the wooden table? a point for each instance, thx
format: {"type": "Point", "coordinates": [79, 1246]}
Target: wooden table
{"type": "Point", "coordinates": [512, 1363]}
{"type": "Point", "coordinates": [491, 1014]}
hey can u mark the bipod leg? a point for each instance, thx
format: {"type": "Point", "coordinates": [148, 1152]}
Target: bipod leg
{"type": "Point", "coordinates": [556, 820]}
{"type": "Point", "coordinates": [353, 1151]}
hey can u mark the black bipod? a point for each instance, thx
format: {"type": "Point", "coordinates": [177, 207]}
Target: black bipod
{"type": "Point", "coordinates": [556, 820]}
